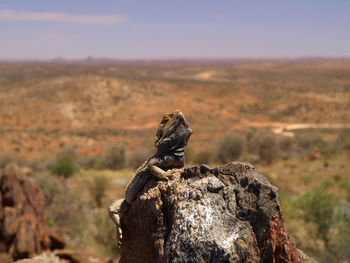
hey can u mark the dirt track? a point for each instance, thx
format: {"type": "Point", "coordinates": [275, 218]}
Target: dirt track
{"type": "Point", "coordinates": [286, 129]}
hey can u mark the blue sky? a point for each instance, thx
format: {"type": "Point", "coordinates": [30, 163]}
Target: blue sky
{"type": "Point", "coordinates": [174, 29]}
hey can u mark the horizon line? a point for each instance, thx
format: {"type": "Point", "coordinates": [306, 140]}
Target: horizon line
{"type": "Point", "coordinates": [116, 59]}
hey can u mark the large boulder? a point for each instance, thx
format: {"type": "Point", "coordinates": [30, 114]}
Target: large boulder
{"type": "Point", "coordinates": [227, 214]}
{"type": "Point", "coordinates": [23, 226]}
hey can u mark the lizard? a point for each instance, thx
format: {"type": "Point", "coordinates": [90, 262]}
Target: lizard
{"type": "Point", "coordinates": [172, 137]}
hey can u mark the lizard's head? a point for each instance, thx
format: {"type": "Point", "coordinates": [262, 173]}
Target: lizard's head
{"type": "Point", "coordinates": [170, 123]}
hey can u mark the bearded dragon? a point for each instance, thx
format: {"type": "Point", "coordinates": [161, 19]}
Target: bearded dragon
{"type": "Point", "coordinates": [171, 139]}
{"type": "Point", "coordinates": [172, 136]}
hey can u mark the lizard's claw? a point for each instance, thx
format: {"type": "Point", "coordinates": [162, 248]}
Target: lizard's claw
{"type": "Point", "coordinates": [171, 174]}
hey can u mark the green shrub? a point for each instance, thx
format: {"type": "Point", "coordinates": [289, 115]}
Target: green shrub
{"type": "Point", "coordinates": [115, 156]}
{"type": "Point", "coordinates": [340, 248]}
{"type": "Point", "coordinates": [230, 147]}
{"type": "Point", "coordinates": [318, 207]}
{"type": "Point", "coordinates": [98, 188]}
{"type": "Point", "coordinates": [66, 162]}
{"type": "Point", "coordinates": [65, 169]}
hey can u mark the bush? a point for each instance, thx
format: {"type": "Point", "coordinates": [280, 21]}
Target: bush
{"type": "Point", "coordinates": [230, 147]}
{"type": "Point", "coordinates": [47, 163]}
{"type": "Point", "coordinates": [340, 248]}
{"type": "Point", "coordinates": [98, 188]}
{"type": "Point", "coordinates": [346, 146]}
{"type": "Point", "coordinates": [286, 147]}
{"type": "Point", "coordinates": [68, 155]}
{"type": "Point", "coordinates": [67, 213]}
{"type": "Point", "coordinates": [328, 149]}
{"type": "Point", "coordinates": [265, 145]}
{"type": "Point", "coordinates": [6, 158]}
{"type": "Point", "coordinates": [318, 207]}
{"type": "Point", "coordinates": [309, 140]}
{"type": "Point", "coordinates": [115, 156]}
{"type": "Point", "coordinates": [137, 158]}
{"type": "Point", "coordinates": [66, 162]}
{"type": "Point", "coordinates": [49, 184]}
{"type": "Point", "coordinates": [96, 161]}
{"type": "Point", "coordinates": [105, 235]}
{"type": "Point", "coordinates": [65, 169]}
{"type": "Point", "coordinates": [343, 135]}
{"type": "Point", "coordinates": [285, 144]}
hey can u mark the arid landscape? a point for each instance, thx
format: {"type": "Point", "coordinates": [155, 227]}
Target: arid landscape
{"type": "Point", "coordinates": [89, 105]}
{"type": "Point", "coordinates": [80, 128]}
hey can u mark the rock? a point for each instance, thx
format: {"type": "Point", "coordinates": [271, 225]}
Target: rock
{"type": "Point", "coordinates": [315, 154]}
{"type": "Point", "coordinates": [22, 217]}
{"type": "Point", "coordinates": [305, 258]}
{"type": "Point", "coordinates": [57, 241]}
{"type": "Point", "coordinates": [31, 260]}
{"type": "Point", "coordinates": [67, 256]}
{"type": "Point", "coordinates": [81, 257]}
{"type": "Point", "coordinates": [45, 257]}
{"type": "Point", "coordinates": [227, 214]}
{"type": "Point", "coordinates": [5, 258]}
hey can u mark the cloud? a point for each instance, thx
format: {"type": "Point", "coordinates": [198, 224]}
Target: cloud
{"type": "Point", "coordinates": [11, 15]}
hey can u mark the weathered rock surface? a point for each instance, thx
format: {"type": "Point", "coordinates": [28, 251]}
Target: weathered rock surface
{"type": "Point", "coordinates": [43, 258]}
{"type": "Point", "coordinates": [67, 256]}
{"type": "Point", "coordinates": [227, 214]}
{"type": "Point", "coordinates": [81, 257]}
{"type": "Point", "coordinates": [23, 227]}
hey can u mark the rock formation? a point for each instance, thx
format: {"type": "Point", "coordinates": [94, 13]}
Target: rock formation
{"type": "Point", "coordinates": [67, 256]}
{"type": "Point", "coordinates": [81, 257]}
{"type": "Point", "coordinates": [227, 214]}
{"type": "Point", "coordinates": [23, 227]}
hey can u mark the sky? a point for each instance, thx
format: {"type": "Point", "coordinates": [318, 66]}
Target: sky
{"type": "Point", "coordinates": [146, 29]}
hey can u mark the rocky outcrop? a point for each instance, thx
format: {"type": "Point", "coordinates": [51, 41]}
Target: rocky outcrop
{"type": "Point", "coordinates": [67, 256]}
{"type": "Point", "coordinates": [227, 214]}
{"type": "Point", "coordinates": [23, 227]}
{"type": "Point", "coordinates": [82, 257]}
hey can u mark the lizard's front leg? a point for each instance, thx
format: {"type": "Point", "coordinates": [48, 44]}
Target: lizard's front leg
{"type": "Point", "coordinates": [157, 172]}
